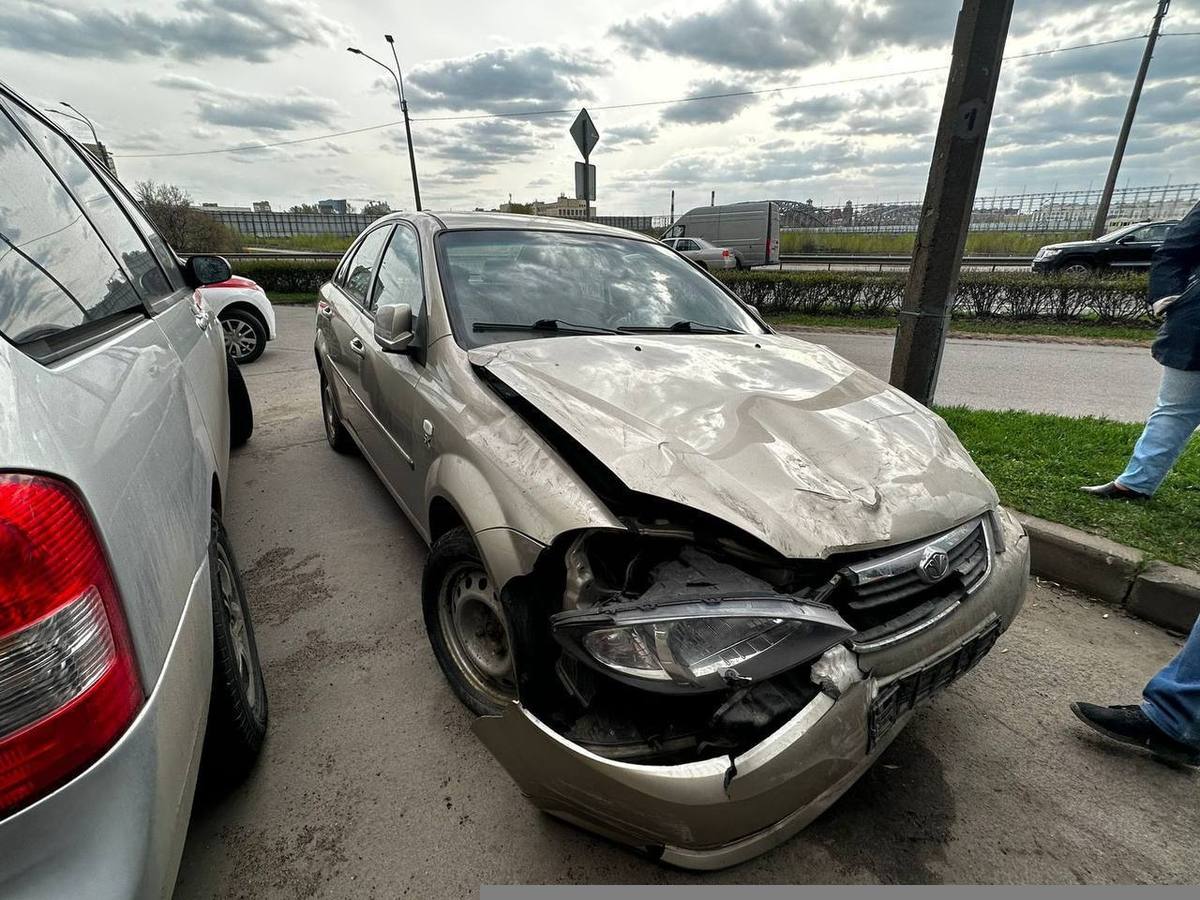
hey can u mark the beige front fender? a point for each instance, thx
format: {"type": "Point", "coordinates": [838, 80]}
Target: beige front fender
{"type": "Point", "coordinates": [510, 525]}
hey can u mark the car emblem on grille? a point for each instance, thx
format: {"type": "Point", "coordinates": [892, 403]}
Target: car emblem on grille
{"type": "Point", "coordinates": [934, 565]}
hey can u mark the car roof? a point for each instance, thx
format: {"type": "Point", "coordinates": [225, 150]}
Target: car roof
{"type": "Point", "coordinates": [468, 221]}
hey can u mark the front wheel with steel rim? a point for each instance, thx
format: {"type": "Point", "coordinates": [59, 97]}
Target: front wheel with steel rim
{"type": "Point", "coordinates": [237, 713]}
{"type": "Point", "coordinates": [245, 336]}
{"type": "Point", "coordinates": [467, 625]}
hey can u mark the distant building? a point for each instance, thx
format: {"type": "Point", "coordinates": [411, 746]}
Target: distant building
{"type": "Point", "coordinates": [334, 207]}
{"type": "Point", "coordinates": [101, 153]}
{"type": "Point", "coordinates": [261, 205]}
{"type": "Point", "coordinates": [563, 208]}
{"type": "Point", "coordinates": [217, 207]}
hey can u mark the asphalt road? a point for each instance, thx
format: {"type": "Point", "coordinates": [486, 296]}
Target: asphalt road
{"type": "Point", "coordinates": [372, 785]}
{"type": "Point", "coordinates": [1068, 379]}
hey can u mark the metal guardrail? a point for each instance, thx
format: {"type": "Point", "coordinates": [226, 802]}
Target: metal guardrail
{"type": "Point", "coordinates": [881, 262]}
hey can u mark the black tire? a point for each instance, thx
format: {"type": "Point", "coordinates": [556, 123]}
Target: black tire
{"type": "Point", "coordinates": [241, 411]}
{"type": "Point", "coordinates": [245, 335]}
{"type": "Point", "coordinates": [335, 432]}
{"type": "Point", "coordinates": [454, 568]}
{"type": "Point", "coordinates": [237, 713]}
{"type": "Point", "coordinates": [1078, 268]}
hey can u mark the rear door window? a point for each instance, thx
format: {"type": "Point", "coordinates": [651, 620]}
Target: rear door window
{"type": "Point", "coordinates": [56, 274]}
{"type": "Point", "coordinates": [100, 206]}
{"type": "Point", "coordinates": [1155, 233]}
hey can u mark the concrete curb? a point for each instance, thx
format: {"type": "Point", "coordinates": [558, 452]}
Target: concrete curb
{"type": "Point", "coordinates": [1113, 573]}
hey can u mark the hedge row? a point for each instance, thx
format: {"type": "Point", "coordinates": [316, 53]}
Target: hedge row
{"type": "Point", "coordinates": [1017, 296]}
{"type": "Point", "coordinates": [286, 276]}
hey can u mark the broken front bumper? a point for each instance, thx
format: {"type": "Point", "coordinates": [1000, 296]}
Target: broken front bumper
{"type": "Point", "coordinates": [722, 811]}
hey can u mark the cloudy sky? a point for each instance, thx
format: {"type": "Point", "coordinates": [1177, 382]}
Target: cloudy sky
{"type": "Point", "coordinates": [861, 84]}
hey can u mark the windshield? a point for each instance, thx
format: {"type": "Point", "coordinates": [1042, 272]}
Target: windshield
{"type": "Point", "coordinates": [1121, 232]}
{"type": "Point", "coordinates": [553, 282]}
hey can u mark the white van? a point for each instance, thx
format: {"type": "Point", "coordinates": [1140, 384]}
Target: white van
{"type": "Point", "coordinates": [750, 230]}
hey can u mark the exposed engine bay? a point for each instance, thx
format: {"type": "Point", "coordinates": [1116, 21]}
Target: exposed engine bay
{"type": "Point", "coordinates": [667, 643]}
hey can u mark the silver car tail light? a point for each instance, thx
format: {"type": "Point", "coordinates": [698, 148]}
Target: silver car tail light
{"type": "Point", "coordinates": [68, 682]}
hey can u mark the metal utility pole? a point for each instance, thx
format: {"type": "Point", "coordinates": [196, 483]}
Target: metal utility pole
{"type": "Point", "coordinates": [946, 213]}
{"type": "Point", "coordinates": [398, 77]}
{"type": "Point", "coordinates": [1130, 111]}
{"type": "Point", "coordinates": [672, 221]}
{"type": "Point", "coordinates": [583, 132]}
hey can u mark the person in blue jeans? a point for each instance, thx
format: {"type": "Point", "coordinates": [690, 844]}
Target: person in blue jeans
{"type": "Point", "coordinates": [1167, 723]}
{"type": "Point", "coordinates": [1174, 294]}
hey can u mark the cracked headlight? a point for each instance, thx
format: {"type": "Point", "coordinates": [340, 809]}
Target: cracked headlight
{"type": "Point", "coordinates": [699, 645]}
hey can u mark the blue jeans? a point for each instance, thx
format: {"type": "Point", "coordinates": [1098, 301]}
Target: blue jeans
{"type": "Point", "coordinates": [1172, 698]}
{"type": "Point", "coordinates": [1175, 417]}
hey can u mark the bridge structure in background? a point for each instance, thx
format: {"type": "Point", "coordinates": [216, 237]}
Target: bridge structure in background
{"type": "Point", "coordinates": [1047, 211]}
{"type": "Point", "coordinates": [1044, 212]}
{"type": "Point", "coordinates": [286, 224]}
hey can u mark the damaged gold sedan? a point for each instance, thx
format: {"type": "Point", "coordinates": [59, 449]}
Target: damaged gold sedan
{"type": "Point", "coordinates": [692, 576]}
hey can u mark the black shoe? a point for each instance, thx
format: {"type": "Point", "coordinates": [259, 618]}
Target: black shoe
{"type": "Point", "coordinates": [1114, 491]}
{"type": "Point", "coordinates": [1129, 725]}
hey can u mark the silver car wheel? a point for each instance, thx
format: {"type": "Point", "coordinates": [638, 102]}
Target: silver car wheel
{"type": "Point", "coordinates": [240, 639]}
{"type": "Point", "coordinates": [1077, 270]}
{"type": "Point", "coordinates": [476, 631]}
{"type": "Point", "coordinates": [240, 339]}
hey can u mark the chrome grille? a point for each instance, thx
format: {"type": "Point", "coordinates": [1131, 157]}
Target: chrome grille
{"type": "Point", "coordinates": [893, 596]}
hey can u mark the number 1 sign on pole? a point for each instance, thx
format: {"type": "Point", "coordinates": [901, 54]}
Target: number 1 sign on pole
{"type": "Point", "coordinates": [585, 134]}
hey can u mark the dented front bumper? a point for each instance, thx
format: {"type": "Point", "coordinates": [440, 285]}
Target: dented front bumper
{"type": "Point", "coordinates": [722, 811]}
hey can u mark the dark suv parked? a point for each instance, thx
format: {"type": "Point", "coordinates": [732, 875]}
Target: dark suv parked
{"type": "Point", "coordinates": [1130, 247]}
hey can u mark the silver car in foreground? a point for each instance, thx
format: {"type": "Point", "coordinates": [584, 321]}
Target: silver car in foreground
{"type": "Point", "coordinates": [692, 576]}
{"type": "Point", "coordinates": [126, 649]}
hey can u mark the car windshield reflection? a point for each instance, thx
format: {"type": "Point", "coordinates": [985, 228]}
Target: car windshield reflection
{"type": "Point", "coordinates": [504, 285]}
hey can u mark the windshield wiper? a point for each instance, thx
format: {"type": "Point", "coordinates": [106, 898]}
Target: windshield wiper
{"type": "Point", "coordinates": [684, 326]}
{"type": "Point", "coordinates": [552, 325]}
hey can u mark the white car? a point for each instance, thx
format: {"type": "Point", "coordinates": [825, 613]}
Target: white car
{"type": "Point", "coordinates": [246, 315]}
{"type": "Point", "coordinates": [702, 252]}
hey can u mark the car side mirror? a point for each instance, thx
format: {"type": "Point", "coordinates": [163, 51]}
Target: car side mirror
{"type": "Point", "coordinates": [393, 327]}
{"type": "Point", "coordinates": [202, 270]}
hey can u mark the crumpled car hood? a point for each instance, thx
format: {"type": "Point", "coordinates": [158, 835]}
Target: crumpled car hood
{"type": "Point", "coordinates": [781, 438]}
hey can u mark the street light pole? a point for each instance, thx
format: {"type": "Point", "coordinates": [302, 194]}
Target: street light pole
{"type": "Point", "coordinates": [85, 119]}
{"type": "Point", "coordinates": [396, 77]}
{"type": "Point", "coordinates": [412, 159]}
{"type": "Point", "coordinates": [59, 112]}
{"type": "Point", "coordinates": [1114, 167]}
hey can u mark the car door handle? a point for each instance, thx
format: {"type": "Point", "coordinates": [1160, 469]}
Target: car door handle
{"type": "Point", "coordinates": [356, 346]}
{"type": "Point", "coordinates": [324, 309]}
